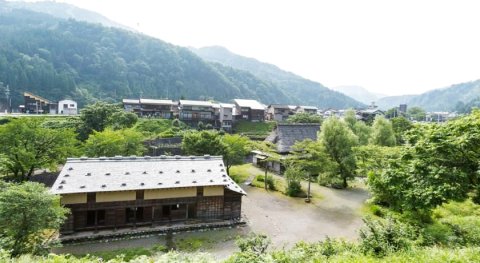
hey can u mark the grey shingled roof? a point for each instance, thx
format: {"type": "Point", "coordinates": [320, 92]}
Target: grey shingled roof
{"type": "Point", "coordinates": [82, 175]}
{"type": "Point", "coordinates": [196, 103]}
{"type": "Point", "coordinates": [286, 135]}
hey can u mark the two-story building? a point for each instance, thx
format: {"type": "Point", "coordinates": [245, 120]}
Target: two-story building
{"type": "Point", "coordinates": [194, 111]}
{"type": "Point", "coordinates": [278, 112]}
{"type": "Point", "coordinates": [67, 107]}
{"type": "Point", "coordinates": [307, 109]}
{"type": "Point", "coordinates": [150, 107]}
{"type": "Point", "coordinates": [226, 116]}
{"type": "Point", "coordinates": [250, 110]}
{"type": "Point", "coordinates": [119, 192]}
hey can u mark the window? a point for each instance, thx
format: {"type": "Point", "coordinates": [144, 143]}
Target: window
{"type": "Point", "coordinates": [72, 105]}
{"type": "Point", "coordinates": [175, 207]}
{"type": "Point", "coordinates": [65, 106]}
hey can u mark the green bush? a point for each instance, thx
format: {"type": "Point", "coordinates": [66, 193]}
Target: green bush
{"type": "Point", "coordinates": [385, 236]}
{"type": "Point", "coordinates": [270, 182]}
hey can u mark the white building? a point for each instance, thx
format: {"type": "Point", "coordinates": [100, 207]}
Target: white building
{"type": "Point", "coordinates": [67, 107]}
{"type": "Point", "coordinates": [226, 116]}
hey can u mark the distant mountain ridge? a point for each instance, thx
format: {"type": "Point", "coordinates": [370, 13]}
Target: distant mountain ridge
{"type": "Point", "coordinates": [444, 99]}
{"type": "Point", "coordinates": [359, 93]}
{"type": "Point", "coordinates": [305, 91]}
{"type": "Point", "coordinates": [66, 11]}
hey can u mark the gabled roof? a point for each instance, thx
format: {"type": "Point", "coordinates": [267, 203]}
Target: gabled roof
{"type": "Point", "coordinates": [286, 135]}
{"type": "Point", "coordinates": [308, 107]}
{"type": "Point", "coordinates": [156, 102]}
{"type": "Point", "coordinates": [83, 175]}
{"type": "Point", "coordinates": [196, 103]}
{"type": "Point", "coordinates": [279, 106]}
{"type": "Point", "coordinates": [252, 104]}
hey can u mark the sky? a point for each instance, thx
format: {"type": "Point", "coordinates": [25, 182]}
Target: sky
{"type": "Point", "coordinates": [390, 47]}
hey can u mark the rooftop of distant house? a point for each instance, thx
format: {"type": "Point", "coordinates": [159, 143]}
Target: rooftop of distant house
{"type": "Point", "coordinates": [196, 103]}
{"type": "Point", "coordinates": [252, 104]}
{"type": "Point", "coordinates": [286, 135]}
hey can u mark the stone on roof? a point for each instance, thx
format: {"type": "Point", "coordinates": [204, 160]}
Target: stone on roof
{"type": "Point", "coordinates": [105, 174]}
{"type": "Point", "coordinates": [196, 103]}
{"type": "Point", "coordinates": [252, 104]}
{"type": "Point", "coordinates": [286, 135]}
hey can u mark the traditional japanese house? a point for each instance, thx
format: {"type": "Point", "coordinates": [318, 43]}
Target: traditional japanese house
{"type": "Point", "coordinates": [118, 192]}
{"type": "Point", "coordinates": [194, 111]}
{"type": "Point", "coordinates": [150, 108]}
{"type": "Point", "coordinates": [278, 112]}
{"type": "Point", "coordinates": [250, 110]}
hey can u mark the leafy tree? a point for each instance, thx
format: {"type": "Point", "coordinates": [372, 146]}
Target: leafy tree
{"type": "Point", "coordinates": [293, 176]}
{"type": "Point", "coordinates": [339, 141]}
{"type": "Point", "coordinates": [375, 158]}
{"type": "Point", "coordinates": [29, 146]}
{"type": "Point", "coordinates": [400, 126]}
{"type": "Point", "coordinates": [97, 117]}
{"type": "Point", "coordinates": [29, 217]}
{"type": "Point", "coordinates": [441, 165]}
{"type": "Point", "coordinates": [123, 120]}
{"type": "Point", "coordinates": [203, 142]}
{"type": "Point", "coordinates": [237, 148]}
{"type": "Point", "coordinates": [363, 132]}
{"type": "Point", "coordinates": [304, 117]}
{"type": "Point", "coordinates": [416, 113]}
{"type": "Point", "coordinates": [382, 132]}
{"type": "Point", "coordinates": [350, 118]}
{"type": "Point", "coordinates": [110, 143]}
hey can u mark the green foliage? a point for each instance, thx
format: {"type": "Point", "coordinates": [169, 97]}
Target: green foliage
{"type": "Point", "coordinates": [237, 147]}
{"type": "Point", "coordinates": [254, 243]}
{"type": "Point", "coordinates": [123, 120]}
{"type": "Point", "coordinates": [29, 146]}
{"type": "Point", "coordinates": [150, 127]}
{"type": "Point", "coordinates": [382, 132]}
{"type": "Point", "coordinates": [441, 165]}
{"type": "Point", "coordinates": [293, 176]}
{"type": "Point", "coordinates": [400, 126]}
{"type": "Point", "coordinates": [203, 142]}
{"type": "Point", "coordinates": [304, 117]}
{"type": "Point", "coordinates": [416, 113]}
{"type": "Point", "coordinates": [363, 132]}
{"type": "Point", "coordinates": [350, 118]}
{"type": "Point", "coordinates": [29, 218]}
{"type": "Point", "coordinates": [259, 181]}
{"type": "Point", "coordinates": [374, 158]}
{"type": "Point", "coordinates": [110, 143]}
{"type": "Point", "coordinates": [98, 116]}
{"type": "Point", "coordinates": [240, 173]}
{"type": "Point", "coordinates": [339, 141]}
{"type": "Point", "coordinates": [254, 130]}
{"type": "Point", "coordinates": [380, 237]}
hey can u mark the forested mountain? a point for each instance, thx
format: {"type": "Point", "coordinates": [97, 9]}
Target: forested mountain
{"type": "Point", "coordinates": [359, 93]}
{"type": "Point", "coordinates": [58, 58]}
{"type": "Point", "coordinates": [65, 11]}
{"type": "Point", "coordinates": [306, 91]}
{"type": "Point", "coordinates": [446, 99]}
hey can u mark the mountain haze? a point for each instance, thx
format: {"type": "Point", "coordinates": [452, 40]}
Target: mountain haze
{"type": "Point", "coordinates": [305, 91]}
{"type": "Point", "coordinates": [359, 93]}
{"type": "Point", "coordinates": [445, 99]}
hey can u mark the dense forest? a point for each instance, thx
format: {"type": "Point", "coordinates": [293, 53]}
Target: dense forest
{"type": "Point", "coordinates": [57, 58]}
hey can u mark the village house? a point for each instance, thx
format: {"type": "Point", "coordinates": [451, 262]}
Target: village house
{"type": "Point", "coordinates": [250, 110]}
{"type": "Point", "coordinates": [119, 192]}
{"type": "Point", "coordinates": [226, 116]}
{"type": "Point", "coordinates": [307, 109]}
{"type": "Point", "coordinates": [278, 112]}
{"type": "Point", "coordinates": [67, 107]}
{"type": "Point", "coordinates": [194, 111]}
{"type": "Point", "coordinates": [150, 107]}
{"type": "Point", "coordinates": [284, 136]}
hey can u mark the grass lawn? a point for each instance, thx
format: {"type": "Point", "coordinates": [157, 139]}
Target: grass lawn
{"type": "Point", "coordinates": [128, 253]}
{"type": "Point", "coordinates": [254, 130]}
{"type": "Point", "coordinates": [241, 173]}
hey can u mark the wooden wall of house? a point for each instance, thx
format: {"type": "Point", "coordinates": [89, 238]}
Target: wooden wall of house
{"type": "Point", "coordinates": [155, 211]}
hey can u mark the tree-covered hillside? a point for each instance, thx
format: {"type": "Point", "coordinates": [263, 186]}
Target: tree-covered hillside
{"type": "Point", "coordinates": [446, 99]}
{"type": "Point", "coordinates": [305, 91]}
{"type": "Point", "coordinates": [58, 58]}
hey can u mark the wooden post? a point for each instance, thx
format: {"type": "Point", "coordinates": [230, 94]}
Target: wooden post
{"type": "Point", "coordinates": [308, 192]}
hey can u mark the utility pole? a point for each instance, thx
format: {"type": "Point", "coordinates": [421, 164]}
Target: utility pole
{"type": "Point", "coordinates": [307, 200]}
